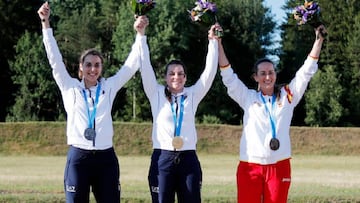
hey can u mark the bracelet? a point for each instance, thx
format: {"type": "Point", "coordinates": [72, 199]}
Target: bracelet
{"type": "Point", "coordinates": [226, 66]}
{"type": "Point", "coordinates": [314, 57]}
{"type": "Point", "coordinates": [43, 20]}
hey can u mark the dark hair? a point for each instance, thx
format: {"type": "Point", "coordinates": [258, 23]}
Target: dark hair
{"type": "Point", "coordinates": [175, 62]}
{"type": "Point", "coordinates": [84, 54]}
{"type": "Point", "coordinates": [167, 93]}
{"type": "Point", "coordinates": [262, 60]}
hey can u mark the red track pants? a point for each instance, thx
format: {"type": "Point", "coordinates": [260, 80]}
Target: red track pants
{"type": "Point", "coordinates": [263, 183]}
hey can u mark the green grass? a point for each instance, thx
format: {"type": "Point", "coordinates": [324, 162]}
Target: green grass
{"type": "Point", "coordinates": [330, 179]}
{"type": "Point", "coordinates": [326, 167]}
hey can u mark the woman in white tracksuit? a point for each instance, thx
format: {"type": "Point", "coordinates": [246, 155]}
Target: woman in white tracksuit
{"type": "Point", "coordinates": [263, 173]}
{"type": "Point", "coordinates": [175, 167]}
{"type": "Point", "coordinates": [91, 161]}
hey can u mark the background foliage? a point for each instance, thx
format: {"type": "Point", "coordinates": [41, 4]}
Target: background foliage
{"type": "Point", "coordinates": [30, 94]}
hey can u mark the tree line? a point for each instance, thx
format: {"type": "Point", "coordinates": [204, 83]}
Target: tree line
{"type": "Point", "coordinates": [29, 92]}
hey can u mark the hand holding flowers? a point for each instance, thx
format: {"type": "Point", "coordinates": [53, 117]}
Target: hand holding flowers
{"type": "Point", "coordinates": [309, 13]}
{"type": "Point", "coordinates": [140, 24]}
{"type": "Point", "coordinates": [214, 30]}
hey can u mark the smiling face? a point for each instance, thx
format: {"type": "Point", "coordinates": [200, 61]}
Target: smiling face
{"type": "Point", "coordinates": [91, 70]}
{"type": "Point", "coordinates": [90, 67]}
{"type": "Point", "coordinates": [265, 76]}
{"type": "Point", "coordinates": [175, 78]}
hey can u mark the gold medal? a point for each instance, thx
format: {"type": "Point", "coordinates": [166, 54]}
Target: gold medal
{"type": "Point", "coordinates": [177, 142]}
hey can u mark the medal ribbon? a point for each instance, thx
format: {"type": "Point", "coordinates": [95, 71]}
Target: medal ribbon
{"type": "Point", "coordinates": [178, 122]}
{"type": "Point", "coordinates": [92, 116]}
{"type": "Point", "coordinates": [272, 121]}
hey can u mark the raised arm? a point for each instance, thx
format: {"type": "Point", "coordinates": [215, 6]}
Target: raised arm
{"type": "Point", "coordinates": [303, 76]}
{"type": "Point", "coordinates": [44, 14]}
{"type": "Point", "coordinates": [148, 77]}
{"type": "Point", "coordinates": [236, 89]}
{"type": "Point", "coordinates": [133, 63]}
{"type": "Point", "coordinates": [204, 83]}
{"type": "Point", "coordinates": [315, 51]}
{"type": "Point", "coordinates": [223, 60]}
{"type": "Point", "coordinates": [54, 56]}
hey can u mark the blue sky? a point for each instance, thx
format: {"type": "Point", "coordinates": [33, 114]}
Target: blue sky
{"type": "Point", "coordinates": [275, 6]}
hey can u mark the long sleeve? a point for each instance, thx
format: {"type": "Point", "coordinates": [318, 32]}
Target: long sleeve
{"type": "Point", "coordinates": [236, 89]}
{"type": "Point", "coordinates": [302, 78]}
{"type": "Point", "coordinates": [131, 65]}
{"type": "Point", "coordinates": [59, 71]}
{"type": "Point", "coordinates": [148, 77]}
{"type": "Point", "coordinates": [206, 79]}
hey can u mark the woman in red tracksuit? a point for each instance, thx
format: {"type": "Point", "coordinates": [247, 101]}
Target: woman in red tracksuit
{"type": "Point", "coordinates": [263, 173]}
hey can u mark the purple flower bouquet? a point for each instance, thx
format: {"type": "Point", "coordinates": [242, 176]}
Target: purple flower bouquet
{"type": "Point", "coordinates": [309, 13]}
{"type": "Point", "coordinates": [205, 13]}
{"type": "Point", "coordinates": [141, 7]}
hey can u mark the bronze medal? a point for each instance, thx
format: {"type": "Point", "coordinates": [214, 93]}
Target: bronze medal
{"type": "Point", "coordinates": [274, 144]}
{"type": "Point", "coordinates": [89, 134]}
{"type": "Point", "coordinates": [177, 142]}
